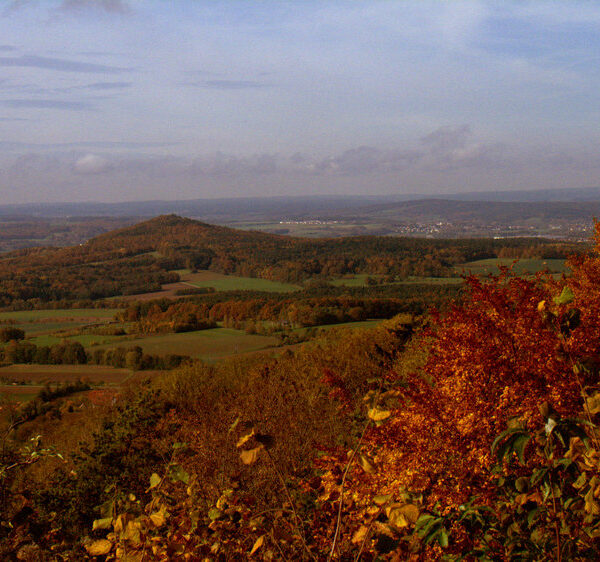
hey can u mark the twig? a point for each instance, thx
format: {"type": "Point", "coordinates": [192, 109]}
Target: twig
{"type": "Point", "coordinates": [341, 505]}
{"type": "Point", "coordinates": [364, 541]}
{"type": "Point", "coordinates": [297, 522]}
{"type": "Point", "coordinates": [556, 530]}
{"type": "Point", "coordinates": [283, 556]}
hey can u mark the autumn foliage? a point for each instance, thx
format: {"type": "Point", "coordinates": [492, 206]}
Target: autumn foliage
{"type": "Point", "coordinates": [472, 434]}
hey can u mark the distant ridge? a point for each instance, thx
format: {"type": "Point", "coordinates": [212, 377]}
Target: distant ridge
{"type": "Point", "coordinates": [546, 195]}
{"type": "Point", "coordinates": [247, 207]}
{"type": "Point", "coordinates": [490, 211]}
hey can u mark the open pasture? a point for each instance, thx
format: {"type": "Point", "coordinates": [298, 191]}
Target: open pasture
{"type": "Point", "coordinates": [520, 267]}
{"type": "Point", "coordinates": [43, 327]}
{"type": "Point", "coordinates": [222, 282]}
{"type": "Point", "coordinates": [18, 393]}
{"type": "Point", "coordinates": [208, 345]}
{"type": "Point", "coordinates": [87, 340]}
{"type": "Point", "coordinates": [87, 315]}
{"type": "Point", "coordinates": [359, 280]}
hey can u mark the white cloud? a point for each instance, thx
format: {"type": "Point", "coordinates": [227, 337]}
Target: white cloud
{"type": "Point", "coordinates": [91, 164]}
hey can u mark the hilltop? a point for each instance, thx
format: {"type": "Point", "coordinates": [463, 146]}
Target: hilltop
{"type": "Point", "coordinates": [143, 257]}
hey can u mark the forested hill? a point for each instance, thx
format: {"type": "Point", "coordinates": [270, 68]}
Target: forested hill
{"type": "Point", "coordinates": [143, 257]}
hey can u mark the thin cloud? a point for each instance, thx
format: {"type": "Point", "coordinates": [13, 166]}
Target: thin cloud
{"type": "Point", "coordinates": [33, 61]}
{"type": "Point", "coordinates": [48, 104]}
{"type": "Point", "coordinates": [447, 138]}
{"type": "Point", "coordinates": [9, 145]}
{"type": "Point", "coordinates": [104, 86]}
{"type": "Point", "coordinates": [108, 6]}
{"type": "Point", "coordinates": [7, 48]}
{"type": "Point", "coordinates": [228, 84]}
{"type": "Point", "coordinates": [91, 164]}
{"type": "Point", "coordinates": [16, 5]}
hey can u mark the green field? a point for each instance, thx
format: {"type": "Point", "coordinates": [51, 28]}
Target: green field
{"type": "Point", "coordinates": [221, 282]}
{"type": "Point", "coordinates": [208, 345]}
{"type": "Point", "coordinates": [431, 281]}
{"type": "Point", "coordinates": [360, 280]}
{"type": "Point", "coordinates": [352, 325]}
{"type": "Point", "coordinates": [87, 340]}
{"type": "Point", "coordinates": [521, 267]}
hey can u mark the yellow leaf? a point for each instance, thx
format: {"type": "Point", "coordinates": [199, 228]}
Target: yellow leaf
{"type": "Point", "coordinates": [379, 415]}
{"type": "Point", "coordinates": [541, 306]}
{"type": "Point", "coordinates": [99, 548]}
{"type": "Point", "coordinates": [154, 481]}
{"type": "Point", "coordinates": [158, 518]}
{"type": "Point", "coordinates": [245, 439]}
{"type": "Point", "coordinates": [120, 524]}
{"type": "Point", "coordinates": [251, 455]}
{"type": "Point", "coordinates": [402, 515]}
{"type": "Point", "coordinates": [382, 499]}
{"type": "Point", "coordinates": [102, 523]}
{"type": "Point", "coordinates": [593, 403]}
{"type": "Point", "coordinates": [132, 533]}
{"type": "Point", "coordinates": [360, 535]}
{"type": "Point", "coordinates": [259, 542]}
{"type": "Point", "coordinates": [366, 464]}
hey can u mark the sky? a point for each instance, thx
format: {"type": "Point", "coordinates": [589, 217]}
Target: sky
{"type": "Point", "coordinates": [123, 100]}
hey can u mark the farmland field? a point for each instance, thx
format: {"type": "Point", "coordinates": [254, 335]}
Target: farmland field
{"type": "Point", "coordinates": [62, 315]}
{"type": "Point", "coordinates": [41, 374]}
{"type": "Point", "coordinates": [521, 267]}
{"type": "Point", "coordinates": [361, 280]}
{"type": "Point", "coordinates": [208, 345]}
{"type": "Point", "coordinates": [44, 327]}
{"type": "Point", "coordinates": [223, 282]}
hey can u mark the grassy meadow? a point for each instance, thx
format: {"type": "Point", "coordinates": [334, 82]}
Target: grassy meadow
{"type": "Point", "coordinates": [221, 282]}
{"type": "Point", "coordinates": [520, 267]}
{"type": "Point", "coordinates": [208, 345]}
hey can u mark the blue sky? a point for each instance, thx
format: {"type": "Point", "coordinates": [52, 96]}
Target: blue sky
{"type": "Point", "coordinates": [144, 99]}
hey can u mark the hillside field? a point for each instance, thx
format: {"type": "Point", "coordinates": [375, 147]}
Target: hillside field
{"type": "Point", "coordinates": [221, 282]}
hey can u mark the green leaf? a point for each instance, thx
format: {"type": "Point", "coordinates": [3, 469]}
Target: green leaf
{"type": "Point", "coordinates": [443, 538]}
{"type": "Point", "coordinates": [178, 474]}
{"type": "Point", "coordinates": [521, 484]}
{"type": "Point", "coordinates": [532, 516]}
{"type": "Point", "coordinates": [214, 513]}
{"type": "Point", "coordinates": [234, 424]}
{"type": "Point", "coordinates": [565, 297]}
{"type": "Point", "coordinates": [519, 446]}
{"type": "Point", "coordinates": [154, 480]}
